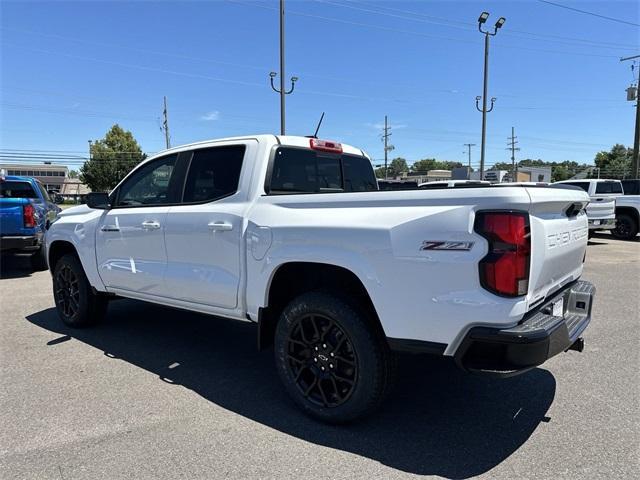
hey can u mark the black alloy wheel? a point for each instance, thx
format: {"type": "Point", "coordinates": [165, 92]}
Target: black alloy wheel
{"type": "Point", "coordinates": [77, 303]}
{"type": "Point", "coordinates": [332, 357]}
{"type": "Point", "coordinates": [322, 360]}
{"type": "Point", "coordinates": [67, 291]}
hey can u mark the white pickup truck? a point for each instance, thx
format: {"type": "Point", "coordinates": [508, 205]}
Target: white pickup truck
{"type": "Point", "coordinates": [628, 211]}
{"type": "Point", "coordinates": [602, 207]}
{"type": "Point", "coordinates": [292, 233]}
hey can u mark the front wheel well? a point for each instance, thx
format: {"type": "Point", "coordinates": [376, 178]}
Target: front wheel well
{"type": "Point", "coordinates": [57, 250]}
{"type": "Point", "coordinates": [295, 278]}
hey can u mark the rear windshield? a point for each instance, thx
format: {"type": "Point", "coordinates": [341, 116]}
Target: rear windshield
{"type": "Point", "coordinates": [300, 170]}
{"type": "Point", "coordinates": [608, 187]}
{"type": "Point", "coordinates": [17, 190]}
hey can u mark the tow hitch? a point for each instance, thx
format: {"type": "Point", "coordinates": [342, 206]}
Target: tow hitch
{"type": "Point", "coordinates": [578, 345]}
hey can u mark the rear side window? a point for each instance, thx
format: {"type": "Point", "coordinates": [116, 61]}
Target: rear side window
{"type": "Point", "coordinates": [214, 173]}
{"type": "Point", "coordinates": [608, 187]}
{"type": "Point", "coordinates": [17, 190]}
{"type": "Point", "coordinates": [299, 170]}
{"type": "Point", "coordinates": [631, 187]}
{"type": "Point", "coordinates": [583, 185]}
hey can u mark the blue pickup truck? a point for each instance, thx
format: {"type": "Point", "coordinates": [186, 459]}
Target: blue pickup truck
{"type": "Point", "coordinates": [26, 211]}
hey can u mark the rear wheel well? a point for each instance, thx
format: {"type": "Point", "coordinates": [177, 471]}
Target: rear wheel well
{"type": "Point", "coordinates": [296, 278]}
{"type": "Point", "coordinates": [57, 250]}
{"type": "Point", "coordinates": [632, 212]}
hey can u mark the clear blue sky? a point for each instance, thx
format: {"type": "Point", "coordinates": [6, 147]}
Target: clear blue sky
{"type": "Point", "coordinates": [72, 69]}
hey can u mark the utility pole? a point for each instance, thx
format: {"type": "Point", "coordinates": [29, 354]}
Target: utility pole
{"type": "Point", "coordinates": [487, 33]}
{"type": "Point", "coordinates": [469, 145]}
{"type": "Point", "coordinates": [165, 124]}
{"type": "Point", "coordinates": [272, 75]}
{"type": "Point", "coordinates": [90, 142]}
{"type": "Point", "coordinates": [386, 133]}
{"type": "Point", "coordinates": [635, 162]}
{"type": "Point", "coordinates": [511, 145]}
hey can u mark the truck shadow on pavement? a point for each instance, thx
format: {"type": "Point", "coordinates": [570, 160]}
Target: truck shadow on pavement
{"type": "Point", "coordinates": [15, 266]}
{"type": "Point", "coordinates": [438, 420]}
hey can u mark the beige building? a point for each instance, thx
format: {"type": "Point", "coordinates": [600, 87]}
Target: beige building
{"type": "Point", "coordinates": [73, 189]}
{"type": "Point", "coordinates": [52, 176]}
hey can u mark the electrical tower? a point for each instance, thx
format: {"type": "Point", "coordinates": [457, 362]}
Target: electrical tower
{"type": "Point", "coordinates": [469, 145]}
{"type": "Point", "coordinates": [511, 145]}
{"type": "Point", "coordinates": [165, 124]}
{"type": "Point", "coordinates": [386, 133]}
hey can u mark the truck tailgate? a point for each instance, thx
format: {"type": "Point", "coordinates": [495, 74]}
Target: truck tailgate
{"type": "Point", "coordinates": [602, 208]}
{"type": "Point", "coordinates": [558, 240]}
{"type": "Point", "coordinates": [11, 221]}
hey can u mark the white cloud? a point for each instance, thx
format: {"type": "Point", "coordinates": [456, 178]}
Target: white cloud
{"type": "Point", "coordinates": [380, 126]}
{"type": "Point", "coordinates": [211, 116]}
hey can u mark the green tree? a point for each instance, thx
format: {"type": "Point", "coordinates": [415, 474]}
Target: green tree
{"type": "Point", "coordinates": [426, 164]}
{"type": "Point", "coordinates": [616, 163]}
{"type": "Point", "coordinates": [379, 172]}
{"type": "Point", "coordinates": [112, 158]}
{"type": "Point", "coordinates": [73, 174]}
{"type": "Point", "coordinates": [397, 167]}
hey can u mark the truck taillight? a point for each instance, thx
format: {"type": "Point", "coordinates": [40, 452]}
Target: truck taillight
{"type": "Point", "coordinates": [505, 269]}
{"type": "Point", "coordinates": [29, 216]}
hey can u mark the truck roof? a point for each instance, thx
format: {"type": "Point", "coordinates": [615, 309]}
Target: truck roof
{"type": "Point", "coordinates": [288, 140]}
{"type": "Point", "coordinates": [16, 178]}
{"type": "Point", "coordinates": [595, 180]}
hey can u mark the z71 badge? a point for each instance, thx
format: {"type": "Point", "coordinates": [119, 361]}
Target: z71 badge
{"type": "Point", "coordinates": [446, 245]}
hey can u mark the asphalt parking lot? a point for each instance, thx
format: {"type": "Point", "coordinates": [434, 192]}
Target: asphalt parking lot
{"type": "Point", "coordinates": [159, 393]}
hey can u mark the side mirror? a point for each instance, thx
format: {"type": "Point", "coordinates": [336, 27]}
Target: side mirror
{"type": "Point", "coordinates": [98, 200]}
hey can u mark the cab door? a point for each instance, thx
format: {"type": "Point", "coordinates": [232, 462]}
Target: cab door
{"type": "Point", "coordinates": [204, 233]}
{"type": "Point", "coordinates": [130, 245]}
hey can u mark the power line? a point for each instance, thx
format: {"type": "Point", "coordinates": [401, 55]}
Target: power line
{"type": "Point", "coordinates": [471, 26]}
{"type": "Point", "coordinates": [589, 13]}
{"type": "Point", "coordinates": [511, 31]}
{"type": "Point", "coordinates": [408, 32]}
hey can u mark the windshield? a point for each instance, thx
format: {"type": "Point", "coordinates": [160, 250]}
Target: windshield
{"type": "Point", "coordinates": [17, 190]}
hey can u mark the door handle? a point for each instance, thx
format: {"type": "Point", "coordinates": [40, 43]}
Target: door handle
{"type": "Point", "coordinates": [151, 225]}
{"type": "Point", "coordinates": [220, 226]}
{"type": "Point", "coordinates": [109, 228]}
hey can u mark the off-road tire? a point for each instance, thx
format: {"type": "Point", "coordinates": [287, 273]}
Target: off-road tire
{"type": "Point", "coordinates": [359, 342]}
{"type": "Point", "coordinates": [77, 305]}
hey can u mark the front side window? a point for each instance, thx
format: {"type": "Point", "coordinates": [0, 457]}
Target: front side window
{"type": "Point", "coordinates": [149, 185]}
{"type": "Point", "coordinates": [608, 187]}
{"type": "Point", "coordinates": [214, 173]}
{"type": "Point", "coordinates": [298, 170]}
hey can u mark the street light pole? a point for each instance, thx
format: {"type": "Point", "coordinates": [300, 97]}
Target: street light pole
{"type": "Point", "coordinates": [282, 94]}
{"type": "Point", "coordinates": [635, 160]}
{"type": "Point", "coordinates": [272, 75]}
{"type": "Point", "coordinates": [487, 33]}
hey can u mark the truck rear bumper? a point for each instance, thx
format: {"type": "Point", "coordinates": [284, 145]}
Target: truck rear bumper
{"type": "Point", "coordinates": [20, 243]}
{"type": "Point", "coordinates": [603, 224]}
{"type": "Point", "coordinates": [552, 328]}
